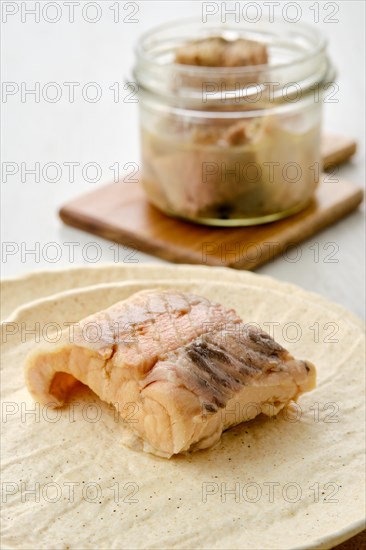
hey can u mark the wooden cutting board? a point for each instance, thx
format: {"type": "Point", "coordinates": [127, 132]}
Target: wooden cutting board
{"type": "Point", "coordinates": [121, 213]}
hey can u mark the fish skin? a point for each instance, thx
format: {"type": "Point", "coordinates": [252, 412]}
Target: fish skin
{"type": "Point", "coordinates": [184, 362]}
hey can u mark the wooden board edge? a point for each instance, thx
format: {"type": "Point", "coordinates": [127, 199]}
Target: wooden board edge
{"type": "Point", "coordinates": [339, 157]}
{"type": "Point", "coordinates": [107, 232]}
{"type": "Point", "coordinates": [309, 229]}
{"type": "Point", "coordinates": [178, 255]}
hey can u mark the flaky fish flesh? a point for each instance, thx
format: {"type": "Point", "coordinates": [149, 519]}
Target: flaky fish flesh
{"type": "Point", "coordinates": [190, 367]}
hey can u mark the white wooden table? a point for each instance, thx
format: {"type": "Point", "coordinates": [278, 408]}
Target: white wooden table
{"type": "Point", "coordinates": [105, 132]}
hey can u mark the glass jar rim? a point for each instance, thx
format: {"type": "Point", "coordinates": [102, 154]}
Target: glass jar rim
{"type": "Point", "coordinates": [142, 54]}
{"type": "Point", "coordinates": [191, 112]}
{"type": "Point", "coordinates": [156, 71]}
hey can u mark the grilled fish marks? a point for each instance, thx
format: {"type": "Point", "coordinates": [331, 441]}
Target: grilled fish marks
{"type": "Point", "coordinates": [216, 366]}
{"type": "Point", "coordinates": [182, 360]}
{"type": "Point", "coordinates": [151, 323]}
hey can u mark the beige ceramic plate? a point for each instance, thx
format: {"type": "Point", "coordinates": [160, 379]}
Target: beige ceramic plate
{"type": "Point", "coordinates": [17, 291]}
{"type": "Point", "coordinates": [297, 480]}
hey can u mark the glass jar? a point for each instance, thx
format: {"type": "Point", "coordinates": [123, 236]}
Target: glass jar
{"type": "Point", "coordinates": [232, 146]}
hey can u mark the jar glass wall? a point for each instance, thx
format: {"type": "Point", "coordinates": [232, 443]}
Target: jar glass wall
{"type": "Point", "coordinates": [231, 146]}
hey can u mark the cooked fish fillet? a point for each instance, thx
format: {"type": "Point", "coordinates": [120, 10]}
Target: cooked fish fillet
{"type": "Point", "coordinates": [216, 51]}
{"type": "Point", "coordinates": [190, 367]}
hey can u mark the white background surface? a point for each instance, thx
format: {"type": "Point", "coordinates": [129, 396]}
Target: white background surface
{"type": "Point", "coordinates": [107, 132]}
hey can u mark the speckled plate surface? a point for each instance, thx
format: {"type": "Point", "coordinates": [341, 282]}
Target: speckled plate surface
{"type": "Point", "coordinates": [294, 482]}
